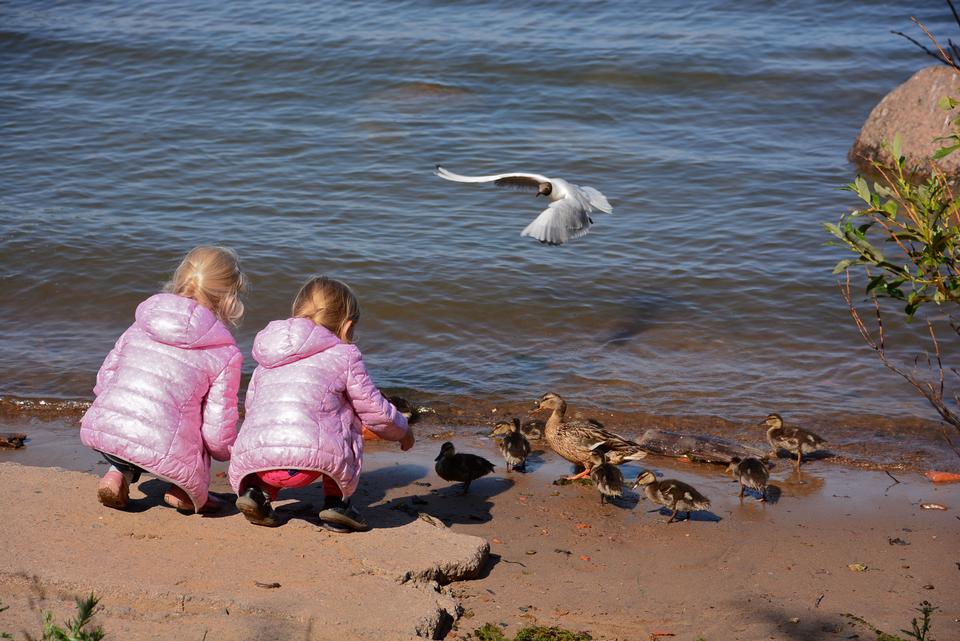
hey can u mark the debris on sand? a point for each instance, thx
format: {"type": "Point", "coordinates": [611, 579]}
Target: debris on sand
{"type": "Point", "coordinates": [12, 439]}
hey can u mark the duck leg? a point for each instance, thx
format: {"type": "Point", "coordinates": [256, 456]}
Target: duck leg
{"type": "Point", "coordinates": [466, 487]}
{"type": "Point", "coordinates": [674, 515]}
{"type": "Point", "coordinates": [741, 491]}
{"type": "Point", "coordinates": [583, 474]}
{"type": "Point", "coordinates": [763, 494]}
{"type": "Point", "coordinates": [799, 456]}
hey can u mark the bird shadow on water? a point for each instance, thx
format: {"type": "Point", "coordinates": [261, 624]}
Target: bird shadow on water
{"type": "Point", "coordinates": [751, 495]}
{"type": "Point", "coordinates": [640, 313]}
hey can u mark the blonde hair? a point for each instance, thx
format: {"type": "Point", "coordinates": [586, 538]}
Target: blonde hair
{"type": "Point", "coordinates": [212, 277]}
{"type": "Point", "coordinates": [327, 302]}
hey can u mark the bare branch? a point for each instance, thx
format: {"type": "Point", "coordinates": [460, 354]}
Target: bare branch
{"type": "Point", "coordinates": [948, 61]}
{"type": "Point", "coordinates": [936, 347]}
{"type": "Point", "coordinates": [943, 53]}
{"type": "Point", "coordinates": [954, 11]}
{"type": "Point", "coordinates": [946, 437]}
{"type": "Point", "coordinates": [934, 395]}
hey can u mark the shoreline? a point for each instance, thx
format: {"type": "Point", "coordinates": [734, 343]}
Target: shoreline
{"type": "Point", "coordinates": [557, 557]}
{"type": "Point", "coordinates": [870, 442]}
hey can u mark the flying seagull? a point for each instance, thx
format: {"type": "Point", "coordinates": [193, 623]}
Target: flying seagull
{"type": "Point", "coordinates": [568, 215]}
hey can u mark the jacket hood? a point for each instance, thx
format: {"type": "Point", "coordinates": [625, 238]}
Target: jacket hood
{"type": "Point", "coordinates": [181, 322]}
{"type": "Point", "coordinates": [286, 341]}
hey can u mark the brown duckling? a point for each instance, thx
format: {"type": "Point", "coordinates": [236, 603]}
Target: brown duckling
{"type": "Point", "coordinates": [752, 473]}
{"type": "Point", "coordinates": [532, 429]}
{"type": "Point", "coordinates": [575, 439]}
{"type": "Point", "coordinates": [514, 445]}
{"type": "Point", "coordinates": [793, 439]}
{"type": "Point", "coordinates": [673, 494]}
{"type": "Point", "coordinates": [453, 466]}
{"type": "Point", "coordinates": [605, 475]}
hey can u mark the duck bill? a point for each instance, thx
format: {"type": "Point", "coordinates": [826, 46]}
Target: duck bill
{"type": "Point", "coordinates": [439, 456]}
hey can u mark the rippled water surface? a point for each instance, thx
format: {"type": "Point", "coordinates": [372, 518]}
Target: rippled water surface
{"type": "Point", "coordinates": [305, 136]}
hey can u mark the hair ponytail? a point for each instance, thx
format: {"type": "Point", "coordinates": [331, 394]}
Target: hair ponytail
{"type": "Point", "coordinates": [327, 302]}
{"type": "Point", "coordinates": [212, 277]}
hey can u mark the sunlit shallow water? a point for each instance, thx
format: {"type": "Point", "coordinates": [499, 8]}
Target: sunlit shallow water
{"type": "Point", "coordinates": [305, 138]}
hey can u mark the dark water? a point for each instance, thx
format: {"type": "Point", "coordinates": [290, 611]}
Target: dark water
{"type": "Point", "coordinates": [305, 136]}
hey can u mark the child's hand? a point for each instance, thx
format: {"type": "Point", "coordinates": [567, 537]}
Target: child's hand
{"type": "Point", "coordinates": [407, 441]}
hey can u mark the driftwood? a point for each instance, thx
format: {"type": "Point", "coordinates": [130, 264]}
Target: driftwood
{"type": "Point", "coordinates": [707, 449]}
{"type": "Point", "coordinates": [12, 439]}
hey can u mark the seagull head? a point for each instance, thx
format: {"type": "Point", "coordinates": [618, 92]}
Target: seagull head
{"type": "Point", "coordinates": [545, 189]}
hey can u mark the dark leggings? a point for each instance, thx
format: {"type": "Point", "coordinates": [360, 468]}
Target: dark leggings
{"type": "Point", "coordinates": [123, 466]}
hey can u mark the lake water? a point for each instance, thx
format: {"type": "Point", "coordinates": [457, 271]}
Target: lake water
{"type": "Point", "coordinates": [305, 135]}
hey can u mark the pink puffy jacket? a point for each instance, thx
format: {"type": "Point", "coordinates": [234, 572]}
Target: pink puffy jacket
{"type": "Point", "coordinates": [167, 394]}
{"type": "Point", "coordinates": [305, 404]}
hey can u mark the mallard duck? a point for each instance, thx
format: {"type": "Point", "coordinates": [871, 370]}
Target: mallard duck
{"type": "Point", "coordinates": [793, 439]}
{"type": "Point", "coordinates": [752, 473]}
{"type": "Point", "coordinates": [574, 440]}
{"type": "Point", "coordinates": [453, 466]}
{"type": "Point", "coordinates": [514, 445]}
{"type": "Point", "coordinates": [606, 476]}
{"type": "Point", "coordinates": [671, 493]}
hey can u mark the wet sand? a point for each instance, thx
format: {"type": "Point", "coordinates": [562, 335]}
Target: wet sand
{"type": "Point", "coordinates": [856, 440]}
{"type": "Point", "coordinates": [740, 571]}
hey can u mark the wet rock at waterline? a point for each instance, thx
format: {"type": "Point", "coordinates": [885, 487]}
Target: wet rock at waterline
{"type": "Point", "coordinates": [913, 110]}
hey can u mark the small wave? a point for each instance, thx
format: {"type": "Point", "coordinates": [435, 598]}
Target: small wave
{"type": "Point", "coordinates": [420, 90]}
{"type": "Point", "coordinates": [47, 407]}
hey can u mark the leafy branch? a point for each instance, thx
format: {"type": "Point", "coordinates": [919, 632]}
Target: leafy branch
{"type": "Point", "coordinates": [906, 239]}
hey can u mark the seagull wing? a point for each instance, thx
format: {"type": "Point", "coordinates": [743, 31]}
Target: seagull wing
{"type": "Point", "coordinates": [519, 181]}
{"type": "Point", "coordinates": [563, 220]}
{"type": "Point", "coordinates": [597, 200]}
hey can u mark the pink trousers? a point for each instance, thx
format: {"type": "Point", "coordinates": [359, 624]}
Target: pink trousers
{"type": "Point", "coordinates": [272, 481]}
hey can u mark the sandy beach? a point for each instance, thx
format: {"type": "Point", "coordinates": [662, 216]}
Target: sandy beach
{"type": "Point", "coordinates": [780, 570]}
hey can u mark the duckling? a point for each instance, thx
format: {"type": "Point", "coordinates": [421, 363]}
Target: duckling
{"type": "Point", "coordinates": [532, 429]}
{"type": "Point", "coordinates": [606, 476]}
{"type": "Point", "coordinates": [514, 446]}
{"type": "Point", "coordinates": [676, 495]}
{"type": "Point", "coordinates": [752, 473]}
{"type": "Point", "coordinates": [574, 440]}
{"type": "Point", "coordinates": [405, 407]}
{"type": "Point", "coordinates": [793, 439]}
{"type": "Point", "coordinates": [453, 466]}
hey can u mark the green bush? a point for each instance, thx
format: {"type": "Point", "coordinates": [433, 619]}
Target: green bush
{"type": "Point", "coordinates": [905, 240]}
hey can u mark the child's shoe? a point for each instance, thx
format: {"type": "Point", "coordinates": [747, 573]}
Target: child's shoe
{"type": "Point", "coordinates": [255, 505]}
{"type": "Point", "coordinates": [338, 516]}
{"type": "Point", "coordinates": [114, 490]}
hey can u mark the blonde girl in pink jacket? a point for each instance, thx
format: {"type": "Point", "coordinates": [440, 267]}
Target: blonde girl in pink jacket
{"type": "Point", "coordinates": [166, 395]}
{"type": "Point", "coordinates": [305, 407]}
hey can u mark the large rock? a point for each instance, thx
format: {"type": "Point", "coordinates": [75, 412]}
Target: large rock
{"type": "Point", "coordinates": [912, 110]}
